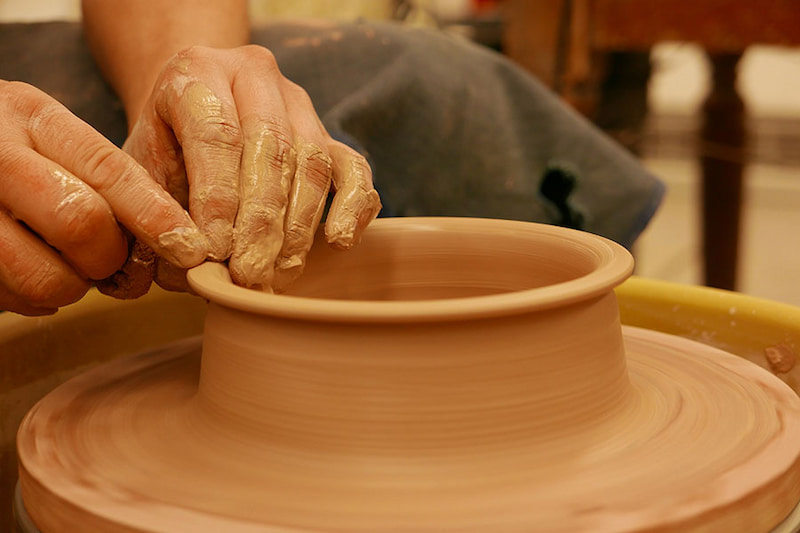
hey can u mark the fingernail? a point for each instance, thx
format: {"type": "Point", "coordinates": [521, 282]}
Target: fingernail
{"type": "Point", "coordinates": [341, 232]}
{"type": "Point", "coordinates": [184, 247]}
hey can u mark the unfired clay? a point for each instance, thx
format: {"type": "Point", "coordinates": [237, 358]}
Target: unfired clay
{"type": "Point", "coordinates": [445, 375]}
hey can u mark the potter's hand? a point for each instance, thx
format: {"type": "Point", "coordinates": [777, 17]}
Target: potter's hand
{"type": "Point", "coordinates": [242, 147]}
{"type": "Point", "coordinates": [63, 187]}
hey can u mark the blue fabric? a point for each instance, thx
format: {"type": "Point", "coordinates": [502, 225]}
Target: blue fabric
{"type": "Point", "coordinates": [454, 129]}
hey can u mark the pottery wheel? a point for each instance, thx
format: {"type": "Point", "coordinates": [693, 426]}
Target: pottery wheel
{"type": "Point", "coordinates": [705, 439]}
{"type": "Point", "coordinates": [444, 375]}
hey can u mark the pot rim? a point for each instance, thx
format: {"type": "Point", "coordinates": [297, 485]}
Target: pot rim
{"type": "Point", "coordinates": [614, 264]}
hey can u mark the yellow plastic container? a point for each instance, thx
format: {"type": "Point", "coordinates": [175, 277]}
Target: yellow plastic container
{"type": "Point", "coordinates": [36, 354]}
{"type": "Point", "coordinates": [737, 323]}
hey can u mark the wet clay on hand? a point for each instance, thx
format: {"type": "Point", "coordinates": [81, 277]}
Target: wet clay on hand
{"type": "Point", "coordinates": [243, 150]}
{"type": "Point", "coordinates": [445, 375]}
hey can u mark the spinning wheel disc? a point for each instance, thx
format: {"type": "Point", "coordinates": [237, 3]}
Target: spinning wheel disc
{"type": "Point", "coordinates": [705, 439]}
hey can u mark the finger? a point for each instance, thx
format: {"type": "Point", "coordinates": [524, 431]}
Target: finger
{"type": "Point", "coordinates": [268, 167]}
{"type": "Point", "coordinates": [267, 170]}
{"type": "Point", "coordinates": [153, 144]}
{"type": "Point", "coordinates": [34, 274]}
{"type": "Point", "coordinates": [203, 117]}
{"type": "Point", "coordinates": [11, 302]}
{"type": "Point", "coordinates": [139, 203]}
{"type": "Point", "coordinates": [310, 187]}
{"type": "Point", "coordinates": [356, 202]}
{"type": "Point", "coordinates": [65, 212]}
{"type": "Point", "coordinates": [306, 205]}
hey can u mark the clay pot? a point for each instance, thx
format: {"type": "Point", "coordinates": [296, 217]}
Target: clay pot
{"type": "Point", "coordinates": [400, 338]}
{"type": "Point", "coordinates": [445, 375]}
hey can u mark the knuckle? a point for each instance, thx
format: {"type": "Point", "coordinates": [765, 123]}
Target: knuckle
{"type": "Point", "coordinates": [108, 164]}
{"type": "Point", "coordinates": [80, 218]}
{"type": "Point", "coordinates": [264, 215]}
{"type": "Point", "coordinates": [297, 94]}
{"type": "Point", "coordinates": [222, 197]}
{"type": "Point", "coordinates": [216, 127]}
{"type": "Point", "coordinates": [273, 135]}
{"type": "Point", "coordinates": [180, 67]}
{"type": "Point", "coordinates": [37, 289]}
{"type": "Point", "coordinates": [355, 158]}
{"type": "Point", "coordinates": [12, 159]}
{"type": "Point", "coordinates": [281, 151]}
{"type": "Point", "coordinates": [190, 52]}
{"type": "Point", "coordinates": [219, 133]}
{"type": "Point", "coordinates": [9, 94]}
{"type": "Point", "coordinates": [294, 89]}
{"type": "Point", "coordinates": [259, 225]}
{"type": "Point", "coordinates": [276, 128]}
{"type": "Point", "coordinates": [361, 162]}
{"type": "Point", "coordinates": [194, 51]}
{"type": "Point", "coordinates": [17, 95]}
{"type": "Point", "coordinates": [351, 168]}
{"type": "Point", "coordinates": [298, 235]}
{"type": "Point", "coordinates": [362, 173]}
{"type": "Point", "coordinates": [317, 166]}
{"type": "Point", "coordinates": [31, 109]}
{"type": "Point", "coordinates": [260, 54]}
{"type": "Point", "coordinates": [47, 286]}
{"type": "Point", "coordinates": [41, 114]}
{"type": "Point", "coordinates": [280, 132]}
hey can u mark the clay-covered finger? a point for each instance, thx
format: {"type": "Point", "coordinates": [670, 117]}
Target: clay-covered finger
{"type": "Point", "coordinates": [306, 205]}
{"type": "Point", "coordinates": [309, 190]}
{"type": "Point", "coordinates": [356, 202]}
{"type": "Point", "coordinates": [152, 143]}
{"type": "Point", "coordinates": [65, 212]}
{"type": "Point", "coordinates": [139, 203]}
{"type": "Point", "coordinates": [201, 112]}
{"type": "Point", "coordinates": [268, 167]}
{"type": "Point", "coordinates": [267, 171]}
{"type": "Point", "coordinates": [33, 275]}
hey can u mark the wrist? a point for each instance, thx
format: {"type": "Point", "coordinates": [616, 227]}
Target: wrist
{"type": "Point", "coordinates": [132, 40]}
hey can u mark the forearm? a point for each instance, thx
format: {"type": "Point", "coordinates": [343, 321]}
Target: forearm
{"type": "Point", "coordinates": [132, 39]}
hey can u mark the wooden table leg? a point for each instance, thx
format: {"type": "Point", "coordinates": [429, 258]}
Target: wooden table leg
{"type": "Point", "coordinates": [621, 110]}
{"type": "Point", "coordinates": [722, 156]}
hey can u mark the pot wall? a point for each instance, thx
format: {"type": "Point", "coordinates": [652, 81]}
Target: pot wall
{"type": "Point", "coordinates": [335, 381]}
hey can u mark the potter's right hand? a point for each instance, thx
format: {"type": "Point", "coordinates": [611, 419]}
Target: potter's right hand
{"type": "Point", "coordinates": [242, 147]}
{"type": "Point", "coordinates": [64, 190]}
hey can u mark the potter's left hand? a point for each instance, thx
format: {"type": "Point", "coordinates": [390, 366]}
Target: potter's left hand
{"type": "Point", "coordinates": [242, 148]}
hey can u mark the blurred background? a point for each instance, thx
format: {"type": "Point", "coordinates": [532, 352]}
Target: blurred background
{"type": "Point", "coordinates": [705, 93]}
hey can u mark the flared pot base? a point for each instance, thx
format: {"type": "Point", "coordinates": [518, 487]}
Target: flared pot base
{"type": "Point", "coordinates": [703, 440]}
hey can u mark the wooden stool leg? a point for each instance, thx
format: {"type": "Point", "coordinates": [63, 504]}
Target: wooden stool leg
{"type": "Point", "coordinates": [722, 147]}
